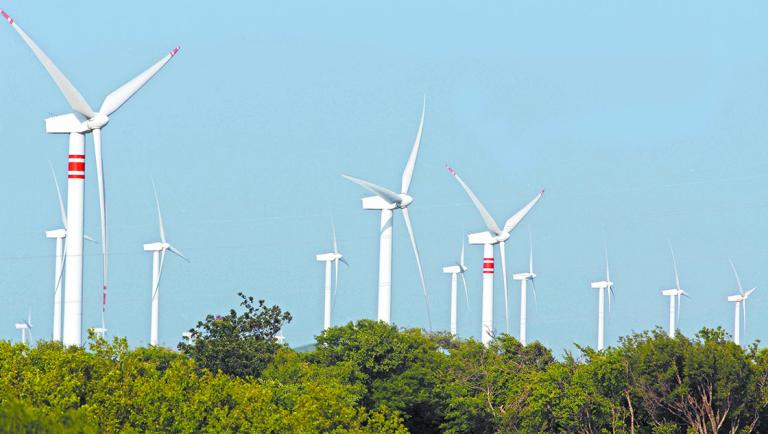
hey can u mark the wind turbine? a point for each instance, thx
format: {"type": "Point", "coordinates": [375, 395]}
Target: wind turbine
{"type": "Point", "coordinates": [387, 201]}
{"type": "Point", "coordinates": [494, 235]}
{"type": "Point", "coordinates": [601, 286]}
{"type": "Point", "coordinates": [739, 300]}
{"type": "Point", "coordinates": [455, 270]}
{"type": "Point", "coordinates": [158, 250]}
{"type": "Point", "coordinates": [85, 120]}
{"type": "Point", "coordinates": [673, 293]}
{"type": "Point", "coordinates": [26, 329]}
{"type": "Point", "coordinates": [60, 236]}
{"type": "Point", "coordinates": [328, 258]}
{"type": "Point", "coordinates": [524, 278]}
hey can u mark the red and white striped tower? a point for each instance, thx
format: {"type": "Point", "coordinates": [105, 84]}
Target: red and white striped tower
{"type": "Point", "coordinates": [73, 273]}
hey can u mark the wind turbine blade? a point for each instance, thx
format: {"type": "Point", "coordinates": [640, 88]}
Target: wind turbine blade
{"type": "Point", "coordinates": [336, 278]}
{"type": "Point", "coordinates": [408, 172]}
{"type": "Point", "coordinates": [679, 300]}
{"type": "Point", "coordinates": [335, 244]}
{"type": "Point", "coordinates": [159, 273]}
{"type": "Point", "coordinates": [744, 314]}
{"type": "Point", "coordinates": [530, 254]}
{"type": "Point", "coordinates": [490, 223]}
{"type": "Point", "coordinates": [58, 286]}
{"type": "Point", "coordinates": [386, 194]}
{"type": "Point", "coordinates": [73, 97]}
{"type": "Point", "coordinates": [102, 213]}
{"type": "Point", "coordinates": [535, 298]}
{"type": "Point", "coordinates": [407, 219]}
{"type": "Point", "coordinates": [738, 281]}
{"type": "Point", "coordinates": [515, 220]}
{"type": "Point", "coordinates": [607, 267]}
{"type": "Point", "coordinates": [344, 261]}
{"type": "Point", "coordinates": [178, 253]}
{"type": "Point", "coordinates": [502, 252]}
{"type": "Point", "coordinates": [748, 293]}
{"type": "Point", "coordinates": [674, 264]}
{"type": "Point", "coordinates": [466, 290]}
{"type": "Point", "coordinates": [159, 214]}
{"type": "Point", "coordinates": [461, 258]}
{"type": "Point", "coordinates": [116, 99]}
{"type": "Point", "coordinates": [610, 295]}
{"type": "Point", "coordinates": [58, 194]}
{"type": "Point", "coordinates": [89, 238]}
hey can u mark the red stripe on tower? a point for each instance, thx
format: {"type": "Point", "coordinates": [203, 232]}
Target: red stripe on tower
{"type": "Point", "coordinates": [76, 166]}
{"type": "Point", "coordinates": [487, 265]}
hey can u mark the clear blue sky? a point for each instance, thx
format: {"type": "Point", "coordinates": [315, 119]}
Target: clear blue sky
{"type": "Point", "coordinates": [643, 121]}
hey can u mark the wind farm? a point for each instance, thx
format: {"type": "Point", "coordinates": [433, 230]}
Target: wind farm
{"type": "Point", "coordinates": [258, 132]}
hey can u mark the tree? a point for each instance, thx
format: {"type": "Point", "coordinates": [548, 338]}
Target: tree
{"type": "Point", "coordinates": [241, 345]}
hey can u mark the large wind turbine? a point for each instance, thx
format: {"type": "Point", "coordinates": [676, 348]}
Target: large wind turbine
{"type": "Point", "coordinates": [601, 286]}
{"type": "Point", "coordinates": [158, 250]}
{"type": "Point", "coordinates": [674, 295]}
{"type": "Point", "coordinates": [85, 120]}
{"type": "Point", "coordinates": [524, 278]}
{"type": "Point", "coordinates": [26, 329]}
{"type": "Point", "coordinates": [455, 270]}
{"type": "Point", "coordinates": [494, 235]}
{"type": "Point", "coordinates": [387, 201]}
{"type": "Point", "coordinates": [739, 300]}
{"type": "Point", "coordinates": [328, 258]}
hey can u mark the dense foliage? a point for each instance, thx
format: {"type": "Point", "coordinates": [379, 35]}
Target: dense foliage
{"type": "Point", "coordinates": [372, 377]}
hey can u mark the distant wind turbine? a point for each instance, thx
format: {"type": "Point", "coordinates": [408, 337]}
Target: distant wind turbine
{"type": "Point", "coordinates": [740, 301]}
{"type": "Point", "coordinates": [674, 295]}
{"type": "Point", "coordinates": [26, 329]}
{"type": "Point", "coordinates": [524, 278]}
{"type": "Point", "coordinates": [494, 235]}
{"type": "Point", "coordinates": [158, 250]}
{"type": "Point", "coordinates": [328, 258]}
{"type": "Point", "coordinates": [387, 201]}
{"type": "Point", "coordinates": [601, 286]}
{"type": "Point", "coordinates": [455, 270]}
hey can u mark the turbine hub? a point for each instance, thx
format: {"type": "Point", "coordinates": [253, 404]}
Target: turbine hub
{"type": "Point", "coordinates": [98, 121]}
{"type": "Point", "coordinates": [406, 200]}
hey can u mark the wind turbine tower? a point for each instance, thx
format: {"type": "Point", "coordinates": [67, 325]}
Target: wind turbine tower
{"type": "Point", "coordinates": [494, 235]}
{"type": "Point", "coordinates": [158, 250]}
{"type": "Point", "coordinates": [455, 270]}
{"type": "Point", "coordinates": [333, 257]}
{"type": "Point", "coordinates": [387, 201]}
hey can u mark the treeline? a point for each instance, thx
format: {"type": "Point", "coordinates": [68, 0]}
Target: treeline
{"type": "Point", "coordinates": [370, 377]}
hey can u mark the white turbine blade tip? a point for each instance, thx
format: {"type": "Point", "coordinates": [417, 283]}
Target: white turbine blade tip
{"type": "Point", "coordinates": [451, 170]}
{"type": "Point", "coordinates": [175, 50]}
{"type": "Point", "coordinates": [6, 16]}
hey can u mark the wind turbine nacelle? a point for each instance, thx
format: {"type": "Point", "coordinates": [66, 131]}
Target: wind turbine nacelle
{"type": "Point", "coordinates": [482, 238]}
{"type": "Point", "coordinates": [601, 284]}
{"type": "Point", "coordinates": [325, 257]}
{"type": "Point", "coordinates": [453, 269]}
{"type": "Point", "coordinates": [669, 292]}
{"type": "Point", "coordinates": [153, 247]}
{"type": "Point", "coordinates": [56, 233]}
{"type": "Point", "coordinates": [21, 326]}
{"type": "Point", "coordinates": [65, 124]}
{"type": "Point", "coordinates": [735, 298]}
{"type": "Point", "coordinates": [523, 276]}
{"type": "Point", "coordinates": [376, 202]}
